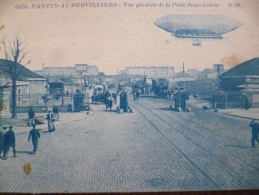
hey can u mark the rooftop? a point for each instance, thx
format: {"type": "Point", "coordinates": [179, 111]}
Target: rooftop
{"type": "Point", "coordinates": [250, 67]}
{"type": "Point", "coordinates": [23, 72]}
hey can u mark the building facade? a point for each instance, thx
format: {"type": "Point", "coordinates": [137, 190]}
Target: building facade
{"type": "Point", "coordinates": [79, 70]}
{"type": "Point", "coordinates": [30, 87]}
{"type": "Point", "coordinates": [151, 71]}
{"type": "Point", "coordinates": [243, 79]}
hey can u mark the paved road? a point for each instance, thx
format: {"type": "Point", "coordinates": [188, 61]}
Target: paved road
{"type": "Point", "coordinates": [151, 149]}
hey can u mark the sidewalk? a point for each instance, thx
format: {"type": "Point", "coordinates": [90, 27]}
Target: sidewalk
{"type": "Point", "coordinates": [252, 113]}
{"type": "Point", "coordinates": [20, 124]}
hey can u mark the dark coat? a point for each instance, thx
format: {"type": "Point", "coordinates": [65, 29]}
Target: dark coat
{"type": "Point", "coordinates": [34, 135]}
{"type": "Point", "coordinates": [50, 116]}
{"type": "Point", "coordinates": [31, 114]}
{"type": "Point", "coordinates": [9, 138]}
{"type": "Point", "coordinates": [255, 128]}
{"type": "Point", "coordinates": [1, 139]}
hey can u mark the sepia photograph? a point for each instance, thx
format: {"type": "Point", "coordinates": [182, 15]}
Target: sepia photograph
{"type": "Point", "coordinates": [129, 96]}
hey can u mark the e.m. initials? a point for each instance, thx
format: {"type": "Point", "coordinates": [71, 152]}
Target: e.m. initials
{"type": "Point", "coordinates": [234, 5]}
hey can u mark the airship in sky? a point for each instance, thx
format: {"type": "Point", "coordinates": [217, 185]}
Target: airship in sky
{"type": "Point", "coordinates": [197, 27]}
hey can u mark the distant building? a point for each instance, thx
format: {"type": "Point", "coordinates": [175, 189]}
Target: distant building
{"type": "Point", "coordinates": [151, 71]}
{"type": "Point", "coordinates": [204, 74]}
{"type": "Point", "coordinates": [193, 73]}
{"type": "Point", "coordinates": [181, 75]}
{"type": "Point", "coordinates": [59, 71]}
{"type": "Point", "coordinates": [79, 70]}
{"type": "Point", "coordinates": [30, 87]}
{"type": "Point", "coordinates": [218, 68]}
{"type": "Point", "coordinates": [244, 73]}
{"type": "Point", "coordinates": [243, 78]}
{"type": "Point", "coordinates": [92, 70]}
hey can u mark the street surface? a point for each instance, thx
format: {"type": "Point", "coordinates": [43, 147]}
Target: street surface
{"type": "Point", "coordinates": [152, 149]}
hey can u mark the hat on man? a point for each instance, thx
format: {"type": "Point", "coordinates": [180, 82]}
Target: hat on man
{"type": "Point", "coordinates": [10, 127]}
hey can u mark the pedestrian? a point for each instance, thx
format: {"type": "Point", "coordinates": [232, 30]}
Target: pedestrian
{"type": "Point", "coordinates": [56, 112]}
{"type": "Point", "coordinates": [50, 119]}
{"type": "Point", "coordinates": [9, 140]}
{"type": "Point", "coordinates": [2, 144]}
{"type": "Point", "coordinates": [255, 130]}
{"type": "Point", "coordinates": [31, 115]}
{"type": "Point", "coordinates": [134, 95]}
{"type": "Point", "coordinates": [108, 102]}
{"type": "Point", "coordinates": [246, 103]}
{"type": "Point", "coordinates": [183, 100]}
{"type": "Point", "coordinates": [137, 94]}
{"type": "Point", "coordinates": [34, 135]}
{"type": "Point", "coordinates": [114, 96]}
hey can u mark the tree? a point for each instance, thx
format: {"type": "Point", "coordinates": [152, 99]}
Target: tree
{"type": "Point", "coordinates": [1, 103]}
{"type": "Point", "coordinates": [15, 53]}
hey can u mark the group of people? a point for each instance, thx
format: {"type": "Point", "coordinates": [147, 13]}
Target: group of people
{"type": "Point", "coordinates": [51, 117]}
{"type": "Point", "coordinates": [7, 135]}
{"type": "Point", "coordinates": [8, 140]}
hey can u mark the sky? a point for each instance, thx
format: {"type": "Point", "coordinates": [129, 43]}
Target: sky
{"type": "Point", "coordinates": [124, 33]}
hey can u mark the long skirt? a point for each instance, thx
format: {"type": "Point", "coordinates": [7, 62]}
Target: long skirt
{"type": "Point", "coordinates": [51, 126]}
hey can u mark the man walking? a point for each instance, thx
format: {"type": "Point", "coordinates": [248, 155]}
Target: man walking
{"type": "Point", "coordinates": [34, 135]}
{"type": "Point", "coordinates": [255, 131]}
{"type": "Point", "coordinates": [9, 139]}
{"type": "Point", "coordinates": [31, 115]}
{"type": "Point", "coordinates": [2, 144]}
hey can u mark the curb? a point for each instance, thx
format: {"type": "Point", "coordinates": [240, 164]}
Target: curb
{"type": "Point", "coordinates": [232, 115]}
{"type": "Point", "coordinates": [243, 117]}
{"type": "Point", "coordinates": [249, 118]}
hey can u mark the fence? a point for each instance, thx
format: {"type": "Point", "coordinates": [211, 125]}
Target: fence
{"type": "Point", "coordinates": [230, 100]}
{"type": "Point", "coordinates": [41, 103]}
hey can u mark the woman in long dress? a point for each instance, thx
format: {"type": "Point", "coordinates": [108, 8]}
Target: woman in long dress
{"type": "Point", "coordinates": [50, 118]}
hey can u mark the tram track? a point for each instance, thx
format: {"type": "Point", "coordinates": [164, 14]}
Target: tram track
{"type": "Point", "coordinates": [237, 158]}
{"type": "Point", "coordinates": [200, 126]}
{"type": "Point", "coordinates": [177, 149]}
{"type": "Point", "coordinates": [229, 172]}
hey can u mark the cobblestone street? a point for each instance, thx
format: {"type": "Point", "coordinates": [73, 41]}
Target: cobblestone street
{"type": "Point", "coordinates": [152, 149]}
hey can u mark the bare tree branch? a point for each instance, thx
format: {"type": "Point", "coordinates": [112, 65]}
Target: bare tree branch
{"type": "Point", "coordinates": [15, 53]}
{"type": "Point", "coordinates": [11, 48]}
{"type": "Point", "coordinates": [23, 55]}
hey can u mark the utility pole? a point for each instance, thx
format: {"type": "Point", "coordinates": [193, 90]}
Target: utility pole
{"type": "Point", "coordinates": [183, 70]}
{"type": "Point", "coordinates": [184, 77]}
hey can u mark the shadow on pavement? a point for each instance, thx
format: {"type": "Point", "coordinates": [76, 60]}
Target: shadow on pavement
{"type": "Point", "coordinates": [24, 152]}
{"type": "Point", "coordinates": [168, 109]}
{"type": "Point", "coordinates": [110, 110]}
{"type": "Point", "coordinates": [24, 132]}
{"type": "Point", "coordinates": [237, 146]}
{"type": "Point", "coordinates": [45, 132]}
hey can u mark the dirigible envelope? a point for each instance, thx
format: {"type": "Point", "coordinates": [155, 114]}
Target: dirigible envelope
{"type": "Point", "coordinates": [197, 26]}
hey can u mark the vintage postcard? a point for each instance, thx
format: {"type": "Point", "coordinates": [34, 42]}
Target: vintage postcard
{"type": "Point", "coordinates": [129, 95]}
